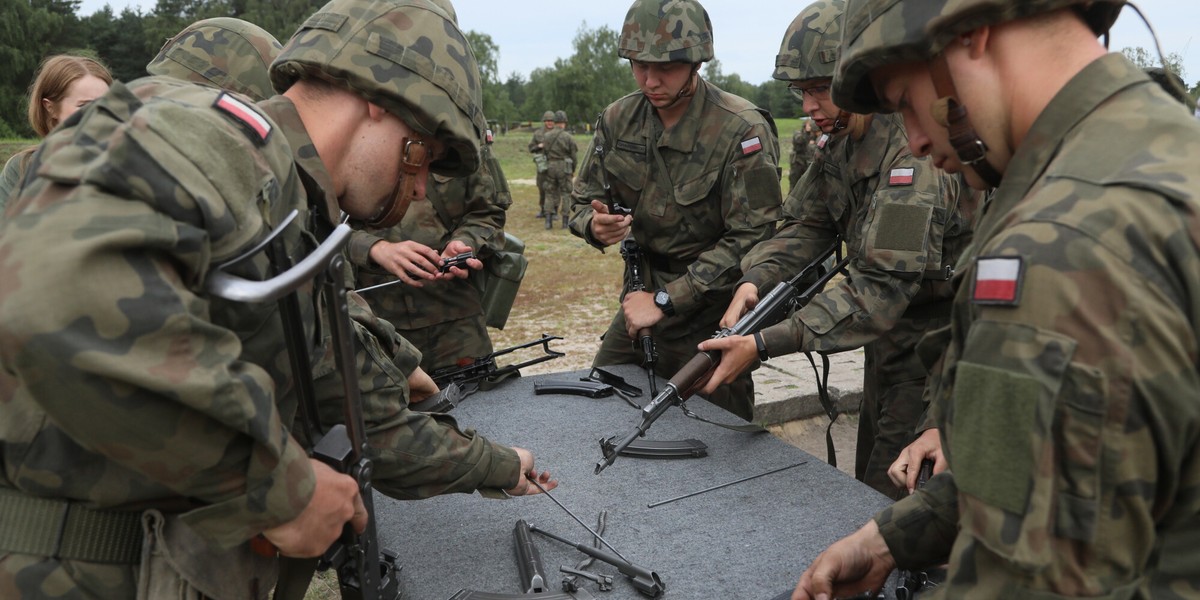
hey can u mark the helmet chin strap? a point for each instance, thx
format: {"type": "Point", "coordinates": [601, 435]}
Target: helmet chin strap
{"type": "Point", "coordinates": [952, 115]}
{"type": "Point", "coordinates": [841, 122]}
{"type": "Point", "coordinates": [404, 191]}
{"type": "Point", "coordinates": [688, 90]}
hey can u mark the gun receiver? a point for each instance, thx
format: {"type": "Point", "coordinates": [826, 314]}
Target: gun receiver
{"type": "Point", "coordinates": [631, 253]}
{"type": "Point", "coordinates": [459, 261]}
{"type": "Point", "coordinates": [770, 310]}
{"type": "Point", "coordinates": [485, 368]}
{"type": "Point", "coordinates": [912, 582]}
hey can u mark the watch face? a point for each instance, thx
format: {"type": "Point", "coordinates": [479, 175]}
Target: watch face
{"type": "Point", "coordinates": [662, 298]}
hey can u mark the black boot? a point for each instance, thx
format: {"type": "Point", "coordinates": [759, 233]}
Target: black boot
{"type": "Point", "coordinates": [549, 221]}
{"type": "Point", "coordinates": [564, 221]}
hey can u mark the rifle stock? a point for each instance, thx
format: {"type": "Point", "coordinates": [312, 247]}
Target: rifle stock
{"type": "Point", "coordinates": [695, 373]}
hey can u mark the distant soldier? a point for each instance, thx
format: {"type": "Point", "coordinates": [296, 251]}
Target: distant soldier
{"type": "Point", "coordinates": [699, 168]}
{"type": "Point", "coordinates": [562, 155]}
{"type": "Point", "coordinates": [441, 315]}
{"type": "Point", "coordinates": [537, 148]}
{"type": "Point", "coordinates": [804, 143]}
{"type": "Point", "coordinates": [223, 52]}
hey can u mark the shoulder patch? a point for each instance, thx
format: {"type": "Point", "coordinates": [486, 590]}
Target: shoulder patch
{"type": "Point", "coordinates": [255, 124]}
{"type": "Point", "coordinates": [821, 141]}
{"type": "Point", "coordinates": [751, 146]}
{"type": "Point", "coordinates": [901, 176]}
{"type": "Point", "coordinates": [997, 280]}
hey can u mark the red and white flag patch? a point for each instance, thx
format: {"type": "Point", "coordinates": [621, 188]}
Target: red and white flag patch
{"type": "Point", "coordinates": [901, 176]}
{"type": "Point", "coordinates": [489, 137]}
{"type": "Point", "coordinates": [997, 280]}
{"type": "Point", "coordinates": [821, 141]}
{"type": "Point", "coordinates": [751, 146]}
{"type": "Point", "coordinates": [244, 115]}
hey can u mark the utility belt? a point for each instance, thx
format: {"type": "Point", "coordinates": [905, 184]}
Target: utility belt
{"type": "Point", "coordinates": [68, 530]}
{"type": "Point", "coordinates": [663, 263]}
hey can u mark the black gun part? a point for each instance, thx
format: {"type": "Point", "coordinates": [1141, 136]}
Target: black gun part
{"type": "Point", "coordinates": [529, 560]}
{"type": "Point", "coordinates": [459, 261]}
{"type": "Point", "coordinates": [645, 581]}
{"type": "Point", "coordinates": [727, 484]}
{"type": "Point", "coordinates": [689, 448]}
{"type": "Point", "coordinates": [588, 389]}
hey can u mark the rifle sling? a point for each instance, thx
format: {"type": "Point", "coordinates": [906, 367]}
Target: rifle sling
{"type": "Point", "coordinates": [826, 403]}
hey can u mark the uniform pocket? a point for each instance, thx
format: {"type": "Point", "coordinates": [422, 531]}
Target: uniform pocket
{"type": "Point", "coordinates": [178, 565]}
{"type": "Point", "coordinates": [1026, 440]}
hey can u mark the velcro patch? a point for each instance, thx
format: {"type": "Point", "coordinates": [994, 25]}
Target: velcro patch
{"type": "Point", "coordinates": [751, 146]}
{"type": "Point", "coordinates": [901, 176]}
{"type": "Point", "coordinates": [257, 125]}
{"type": "Point", "coordinates": [998, 280]}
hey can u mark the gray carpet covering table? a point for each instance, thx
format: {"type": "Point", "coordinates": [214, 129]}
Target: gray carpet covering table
{"type": "Point", "coordinates": [747, 541]}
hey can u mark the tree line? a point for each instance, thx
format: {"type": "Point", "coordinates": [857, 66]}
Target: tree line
{"type": "Point", "coordinates": [581, 84]}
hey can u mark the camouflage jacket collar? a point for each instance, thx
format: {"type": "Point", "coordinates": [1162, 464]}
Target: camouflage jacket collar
{"type": "Point", "coordinates": [281, 110]}
{"type": "Point", "coordinates": [1083, 94]}
{"type": "Point", "coordinates": [682, 137]}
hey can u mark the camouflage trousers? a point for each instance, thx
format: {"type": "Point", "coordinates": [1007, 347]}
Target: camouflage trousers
{"type": "Point", "coordinates": [619, 349]}
{"type": "Point", "coordinates": [892, 402]}
{"type": "Point", "coordinates": [442, 345]}
{"type": "Point", "coordinates": [541, 186]}
{"type": "Point", "coordinates": [558, 193]}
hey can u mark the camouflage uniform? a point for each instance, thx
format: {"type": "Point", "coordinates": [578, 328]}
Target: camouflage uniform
{"type": "Point", "coordinates": [10, 178]}
{"type": "Point", "coordinates": [901, 224]}
{"type": "Point", "coordinates": [126, 387]}
{"type": "Point", "coordinates": [803, 148]}
{"type": "Point", "coordinates": [443, 319]}
{"type": "Point", "coordinates": [702, 194]}
{"type": "Point", "coordinates": [246, 51]}
{"type": "Point", "coordinates": [563, 155]}
{"type": "Point", "coordinates": [537, 147]}
{"type": "Point", "coordinates": [1068, 395]}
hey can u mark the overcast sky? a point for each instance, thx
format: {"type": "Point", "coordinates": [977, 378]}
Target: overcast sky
{"type": "Point", "coordinates": [533, 33]}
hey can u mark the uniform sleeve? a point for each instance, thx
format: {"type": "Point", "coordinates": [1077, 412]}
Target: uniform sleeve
{"type": "Point", "coordinates": [588, 186]}
{"type": "Point", "coordinates": [750, 204]}
{"type": "Point", "coordinates": [920, 529]}
{"type": "Point", "coordinates": [414, 454]}
{"type": "Point", "coordinates": [901, 238]}
{"type": "Point", "coordinates": [807, 229]}
{"type": "Point", "coordinates": [10, 180]}
{"type": "Point", "coordinates": [101, 320]}
{"type": "Point", "coordinates": [358, 250]}
{"type": "Point", "coordinates": [482, 225]}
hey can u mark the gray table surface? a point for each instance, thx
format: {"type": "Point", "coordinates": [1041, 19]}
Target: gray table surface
{"type": "Point", "coordinates": [751, 540]}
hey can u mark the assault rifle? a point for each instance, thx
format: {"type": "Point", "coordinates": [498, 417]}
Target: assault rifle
{"type": "Point", "coordinates": [484, 369]}
{"type": "Point", "coordinates": [364, 570]}
{"type": "Point", "coordinates": [770, 310]}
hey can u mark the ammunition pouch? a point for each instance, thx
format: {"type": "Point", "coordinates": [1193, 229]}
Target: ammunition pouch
{"type": "Point", "coordinates": [504, 270]}
{"type": "Point", "coordinates": [541, 162]}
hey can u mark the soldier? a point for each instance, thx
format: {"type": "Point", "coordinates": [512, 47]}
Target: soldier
{"type": "Point", "coordinates": [902, 225]}
{"type": "Point", "coordinates": [561, 156]}
{"type": "Point", "coordinates": [442, 315]}
{"type": "Point", "coordinates": [1067, 401]}
{"type": "Point", "coordinates": [131, 396]}
{"type": "Point", "coordinates": [537, 150]}
{"type": "Point", "coordinates": [804, 143]}
{"type": "Point", "coordinates": [228, 53]}
{"type": "Point", "coordinates": [703, 191]}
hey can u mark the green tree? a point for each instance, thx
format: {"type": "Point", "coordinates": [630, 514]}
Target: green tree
{"type": "Point", "coordinates": [1145, 59]}
{"type": "Point", "coordinates": [120, 41]}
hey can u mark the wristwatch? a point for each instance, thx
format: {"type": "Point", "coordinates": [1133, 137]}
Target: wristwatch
{"type": "Point", "coordinates": [663, 301]}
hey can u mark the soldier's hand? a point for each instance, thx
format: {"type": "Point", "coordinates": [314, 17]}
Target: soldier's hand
{"type": "Point", "coordinates": [420, 386]}
{"type": "Point", "coordinates": [738, 352]}
{"type": "Point", "coordinates": [413, 263]}
{"type": "Point", "coordinates": [744, 300]}
{"type": "Point", "coordinates": [454, 248]}
{"type": "Point", "coordinates": [608, 229]}
{"type": "Point", "coordinates": [335, 501]}
{"type": "Point", "coordinates": [524, 486]}
{"type": "Point", "coordinates": [854, 564]}
{"type": "Point", "coordinates": [904, 471]}
{"type": "Point", "coordinates": [640, 312]}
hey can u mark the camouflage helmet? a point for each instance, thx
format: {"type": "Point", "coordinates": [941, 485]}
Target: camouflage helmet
{"type": "Point", "coordinates": [406, 56]}
{"type": "Point", "coordinates": [810, 45]}
{"type": "Point", "coordinates": [560, 116]}
{"type": "Point", "coordinates": [886, 32]}
{"type": "Point", "coordinates": [446, 8]}
{"type": "Point", "coordinates": [548, 115]}
{"type": "Point", "coordinates": [231, 54]}
{"type": "Point", "coordinates": [666, 31]}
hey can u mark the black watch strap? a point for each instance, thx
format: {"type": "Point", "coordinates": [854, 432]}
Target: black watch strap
{"type": "Point", "coordinates": [761, 346]}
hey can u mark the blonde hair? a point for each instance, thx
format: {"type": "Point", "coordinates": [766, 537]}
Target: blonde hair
{"type": "Point", "coordinates": [54, 76]}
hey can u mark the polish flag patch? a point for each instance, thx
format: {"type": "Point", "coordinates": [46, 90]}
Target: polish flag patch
{"type": "Point", "coordinates": [751, 146]}
{"type": "Point", "coordinates": [997, 280]}
{"type": "Point", "coordinates": [821, 141]}
{"type": "Point", "coordinates": [901, 176]}
{"type": "Point", "coordinates": [244, 115]}
{"type": "Point", "coordinates": [489, 137]}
